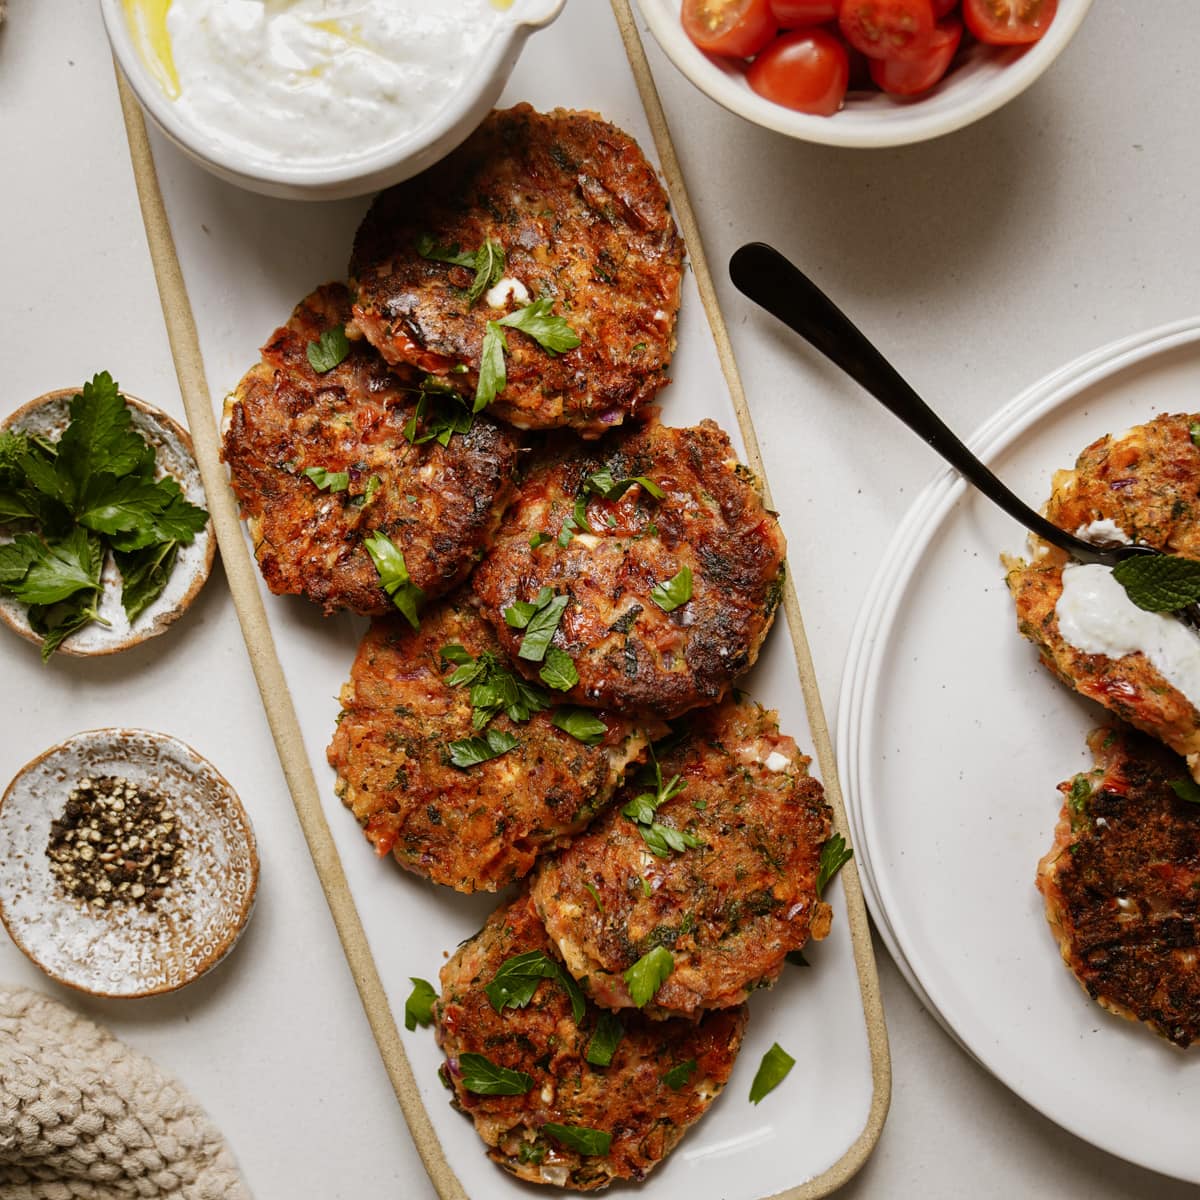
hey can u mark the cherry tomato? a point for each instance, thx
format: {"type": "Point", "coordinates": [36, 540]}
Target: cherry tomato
{"type": "Point", "coordinates": [795, 14]}
{"type": "Point", "coordinates": [911, 76]}
{"type": "Point", "coordinates": [733, 28]}
{"type": "Point", "coordinates": [943, 8]}
{"type": "Point", "coordinates": [1009, 22]}
{"type": "Point", "coordinates": [806, 70]}
{"type": "Point", "coordinates": [887, 28]}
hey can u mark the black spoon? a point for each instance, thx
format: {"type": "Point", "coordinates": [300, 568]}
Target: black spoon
{"type": "Point", "coordinates": [763, 274]}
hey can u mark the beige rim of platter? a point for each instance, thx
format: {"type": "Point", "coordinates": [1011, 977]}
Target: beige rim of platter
{"type": "Point", "coordinates": [175, 455]}
{"type": "Point", "coordinates": [281, 714]}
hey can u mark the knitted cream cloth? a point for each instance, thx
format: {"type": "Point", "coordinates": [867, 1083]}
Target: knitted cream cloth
{"type": "Point", "coordinates": [83, 1117]}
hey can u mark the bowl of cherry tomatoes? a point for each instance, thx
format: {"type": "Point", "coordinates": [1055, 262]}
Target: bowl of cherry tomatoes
{"type": "Point", "coordinates": [863, 72]}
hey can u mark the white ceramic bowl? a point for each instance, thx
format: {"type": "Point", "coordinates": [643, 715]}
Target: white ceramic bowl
{"type": "Point", "coordinates": [388, 163]}
{"type": "Point", "coordinates": [984, 78]}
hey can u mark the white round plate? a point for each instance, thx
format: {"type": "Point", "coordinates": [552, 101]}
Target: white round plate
{"type": "Point", "coordinates": [952, 739]}
{"type": "Point", "coordinates": [124, 950]}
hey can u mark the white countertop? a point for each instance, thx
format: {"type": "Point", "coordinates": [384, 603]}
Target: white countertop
{"type": "Point", "coordinates": [979, 262]}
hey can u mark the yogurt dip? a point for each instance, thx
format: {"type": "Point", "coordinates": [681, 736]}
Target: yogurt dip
{"type": "Point", "coordinates": [311, 82]}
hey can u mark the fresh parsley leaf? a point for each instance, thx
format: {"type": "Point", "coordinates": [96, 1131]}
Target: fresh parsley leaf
{"type": "Point", "coordinates": [606, 487]}
{"type": "Point", "coordinates": [17, 505]}
{"type": "Point", "coordinates": [328, 481]}
{"type": "Point", "coordinates": [517, 615]}
{"type": "Point", "coordinates": [471, 751]}
{"type": "Point", "coordinates": [579, 1138]}
{"type": "Point", "coordinates": [1186, 789]}
{"type": "Point", "coordinates": [1159, 582]}
{"type": "Point", "coordinates": [16, 557]}
{"type": "Point", "coordinates": [61, 569]}
{"type": "Point", "coordinates": [144, 575]}
{"type": "Point", "coordinates": [538, 321]}
{"type": "Point", "coordinates": [328, 350]}
{"type": "Point", "coordinates": [517, 979]}
{"type": "Point", "coordinates": [14, 445]}
{"type": "Point", "coordinates": [579, 515]}
{"type": "Point", "coordinates": [559, 670]}
{"type": "Point", "coordinates": [604, 1040]}
{"type": "Point", "coordinates": [457, 654]}
{"type": "Point", "coordinates": [582, 725]}
{"type": "Point", "coordinates": [1081, 790]}
{"type": "Point", "coordinates": [489, 269]}
{"type": "Point", "coordinates": [427, 248]}
{"type": "Point", "coordinates": [56, 623]}
{"type": "Point", "coordinates": [100, 437]}
{"type": "Point", "coordinates": [662, 840]}
{"type": "Point", "coordinates": [835, 854]}
{"type": "Point", "coordinates": [772, 1071]}
{"type": "Point", "coordinates": [418, 1008]}
{"type": "Point", "coordinates": [677, 1077]}
{"type": "Point", "coordinates": [440, 413]}
{"type": "Point", "coordinates": [648, 974]}
{"type": "Point", "coordinates": [168, 516]}
{"type": "Point", "coordinates": [493, 687]}
{"type": "Point", "coordinates": [485, 1078]}
{"type": "Point", "coordinates": [531, 1152]}
{"type": "Point", "coordinates": [493, 375]}
{"type": "Point", "coordinates": [1194, 433]}
{"type": "Point", "coordinates": [539, 539]}
{"type": "Point", "coordinates": [665, 840]}
{"type": "Point", "coordinates": [541, 624]}
{"type": "Point", "coordinates": [393, 576]}
{"type": "Point", "coordinates": [675, 591]}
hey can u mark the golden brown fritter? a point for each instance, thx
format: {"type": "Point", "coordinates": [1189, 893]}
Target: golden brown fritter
{"type": "Point", "coordinates": [632, 1100]}
{"type": "Point", "coordinates": [477, 828]}
{"type": "Point", "coordinates": [1122, 884]}
{"type": "Point", "coordinates": [728, 909]}
{"type": "Point", "coordinates": [1146, 482]}
{"type": "Point", "coordinates": [439, 505]}
{"type": "Point", "coordinates": [630, 654]}
{"type": "Point", "coordinates": [582, 219]}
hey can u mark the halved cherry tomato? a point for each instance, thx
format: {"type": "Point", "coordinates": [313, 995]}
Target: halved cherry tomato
{"type": "Point", "coordinates": [796, 14]}
{"type": "Point", "coordinates": [806, 70]}
{"type": "Point", "coordinates": [734, 28]}
{"type": "Point", "coordinates": [887, 28]}
{"type": "Point", "coordinates": [1009, 22]}
{"type": "Point", "coordinates": [943, 8]}
{"type": "Point", "coordinates": [911, 76]}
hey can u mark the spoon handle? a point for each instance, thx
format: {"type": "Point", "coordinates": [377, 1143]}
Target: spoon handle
{"type": "Point", "coordinates": [763, 274]}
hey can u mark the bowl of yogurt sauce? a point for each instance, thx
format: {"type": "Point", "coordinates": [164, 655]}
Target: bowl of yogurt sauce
{"type": "Point", "coordinates": [319, 99]}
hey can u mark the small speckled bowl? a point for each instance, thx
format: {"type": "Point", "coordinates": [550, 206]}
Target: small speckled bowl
{"type": "Point", "coordinates": [124, 950]}
{"type": "Point", "coordinates": [48, 416]}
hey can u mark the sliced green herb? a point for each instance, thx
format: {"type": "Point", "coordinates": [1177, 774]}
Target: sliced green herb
{"type": "Point", "coordinates": [328, 350]}
{"type": "Point", "coordinates": [675, 591]}
{"type": "Point", "coordinates": [1186, 789]}
{"type": "Point", "coordinates": [678, 1076]}
{"type": "Point", "coordinates": [662, 840]}
{"type": "Point", "coordinates": [485, 1078]}
{"type": "Point", "coordinates": [418, 1008]}
{"type": "Point", "coordinates": [489, 269]}
{"type": "Point", "coordinates": [835, 854]}
{"type": "Point", "coordinates": [606, 487]}
{"type": "Point", "coordinates": [440, 413]}
{"type": "Point", "coordinates": [428, 248]}
{"type": "Point", "coordinates": [1160, 583]}
{"type": "Point", "coordinates": [595, 895]}
{"type": "Point", "coordinates": [648, 974]}
{"type": "Point", "coordinates": [393, 576]}
{"type": "Point", "coordinates": [559, 670]}
{"type": "Point", "coordinates": [494, 688]}
{"type": "Point", "coordinates": [579, 1138]}
{"type": "Point", "coordinates": [582, 725]}
{"type": "Point", "coordinates": [493, 375]}
{"type": "Point", "coordinates": [539, 619]}
{"type": "Point", "coordinates": [517, 979]}
{"type": "Point", "coordinates": [539, 539]}
{"type": "Point", "coordinates": [537, 320]}
{"type": "Point", "coordinates": [772, 1071]}
{"type": "Point", "coordinates": [605, 1039]}
{"type": "Point", "coordinates": [469, 752]}
{"type": "Point", "coordinates": [328, 481]}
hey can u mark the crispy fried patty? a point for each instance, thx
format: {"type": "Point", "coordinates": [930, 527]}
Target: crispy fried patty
{"type": "Point", "coordinates": [477, 828]}
{"type": "Point", "coordinates": [1122, 885]}
{"type": "Point", "coordinates": [630, 654]}
{"type": "Point", "coordinates": [631, 1099]}
{"type": "Point", "coordinates": [582, 219]}
{"type": "Point", "coordinates": [438, 505]}
{"type": "Point", "coordinates": [728, 910]}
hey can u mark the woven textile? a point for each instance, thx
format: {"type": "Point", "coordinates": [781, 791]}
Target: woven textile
{"type": "Point", "coordinates": [83, 1117]}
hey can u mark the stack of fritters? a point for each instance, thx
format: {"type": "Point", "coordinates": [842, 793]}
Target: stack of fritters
{"type": "Point", "coordinates": [624, 580]}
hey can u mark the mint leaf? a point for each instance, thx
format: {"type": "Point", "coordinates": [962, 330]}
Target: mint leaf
{"type": "Point", "coordinates": [675, 591]}
{"type": "Point", "coordinates": [328, 350]}
{"type": "Point", "coordinates": [580, 1138]}
{"type": "Point", "coordinates": [559, 670]}
{"type": "Point", "coordinates": [489, 269]}
{"type": "Point", "coordinates": [1159, 583]}
{"type": "Point", "coordinates": [469, 752]}
{"type": "Point", "coordinates": [1186, 789]}
{"type": "Point", "coordinates": [144, 575]}
{"type": "Point", "coordinates": [328, 481]}
{"type": "Point", "coordinates": [605, 1040]}
{"type": "Point", "coordinates": [550, 332]}
{"type": "Point", "coordinates": [648, 974]}
{"type": "Point", "coordinates": [772, 1071]}
{"type": "Point", "coordinates": [582, 725]}
{"type": "Point", "coordinates": [835, 854]}
{"type": "Point", "coordinates": [485, 1078]}
{"type": "Point", "coordinates": [678, 1076]}
{"type": "Point", "coordinates": [418, 1008]}
{"type": "Point", "coordinates": [393, 576]}
{"type": "Point", "coordinates": [493, 375]}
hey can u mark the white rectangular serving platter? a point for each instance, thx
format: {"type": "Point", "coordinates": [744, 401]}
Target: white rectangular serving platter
{"type": "Point", "coordinates": [245, 261]}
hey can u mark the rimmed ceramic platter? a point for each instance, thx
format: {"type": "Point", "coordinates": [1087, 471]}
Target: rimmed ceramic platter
{"type": "Point", "coordinates": [47, 417]}
{"type": "Point", "coordinates": [124, 950]}
{"type": "Point", "coordinates": [818, 1127]}
{"type": "Point", "coordinates": [951, 741]}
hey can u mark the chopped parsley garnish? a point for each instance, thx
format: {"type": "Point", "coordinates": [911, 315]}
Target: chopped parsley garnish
{"type": "Point", "coordinates": [675, 591]}
{"type": "Point", "coordinates": [493, 375]}
{"type": "Point", "coordinates": [485, 1078]}
{"type": "Point", "coordinates": [1081, 789]}
{"type": "Point", "coordinates": [582, 725]}
{"type": "Point", "coordinates": [91, 493]}
{"type": "Point", "coordinates": [470, 752]}
{"type": "Point", "coordinates": [678, 1076]}
{"type": "Point", "coordinates": [440, 413]}
{"type": "Point", "coordinates": [328, 350]}
{"type": "Point", "coordinates": [1160, 583]}
{"type": "Point", "coordinates": [579, 1138]}
{"type": "Point", "coordinates": [662, 840]}
{"type": "Point", "coordinates": [606, 487]}
{"type": "Point", "coordinates": [539, 539]}
{"type": "Point", "coordinates": [539, 619]}
{"type": "Point", "coordinates": [393, 576]}
{"type": "Point", "coordinates": [531, 1152]}
{"type": "Point", "coordinates": [487, 262]}
{"type": "Point", "coordinates": [493, 687]}
{"type": "Point", "coordinates": [835, 854]}
{"type": "Point", "coordinates": [517, 979]}
{"type": "Point", "coordinates": [1194, 432]}
{"type": "Point", "coordinates": [648, 974]}
{"type": "Point", "coordinates": [374, 483]}
{"type": "Point", "coordinates": [605, 1040]}
{"type": "Point", "coordinates": [772, 1071]}
{"type": "Point", "coordinates": [418, 1008]}
{"type": "Point", "coordinates": [558, 671]}
{"type": "Point", "coordinates": [1186, 789]}
{"type": "Point", "coordinates": [329, 481]}
{"type": "Point", "coordinates": [550, 332]}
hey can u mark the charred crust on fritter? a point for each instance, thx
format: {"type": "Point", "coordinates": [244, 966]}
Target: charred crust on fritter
{"type": "Point", "coordinates": [583, 220]}
{"type": "Point", "coordinates": [1122, 884]}
{"type": "Point", "coordinates": [711, 520]}
{"type": "Point", "coordinates": [730, 910]}
{"type": "Point", "coordinates": [474, 829]}
{"type": "Point", "coordinates": [438, 505]}
{"type": "Point", "coordinates": [629, 1099]}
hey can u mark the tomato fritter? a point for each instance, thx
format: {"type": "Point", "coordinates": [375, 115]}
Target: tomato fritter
{"type": "Point", "coordinates": [581, 219]}
{"type": "Point", "coordinates": [624, 1117]}
{"type": "Point", "coordinates": [288, 428]}
{"type": "Point", "coordinates": [477, 827]}
{"type": "Point", "coordinates": [672, 585]}
{"type": "Point", "coordinates": [722, 872]}
{"type": "Point", "coordinates": [1122, 884]}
